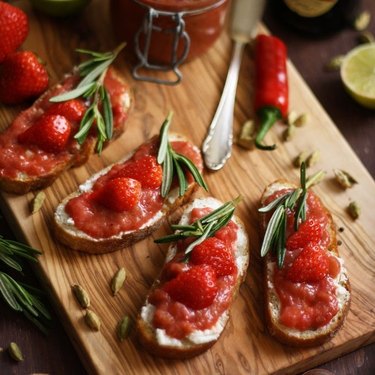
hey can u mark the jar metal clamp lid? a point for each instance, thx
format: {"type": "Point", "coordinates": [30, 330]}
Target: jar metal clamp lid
{"type": "Point", "coordinates": [180, 41]}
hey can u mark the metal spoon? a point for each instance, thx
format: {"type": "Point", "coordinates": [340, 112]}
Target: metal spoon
{"type": "Point", "coordinates": [217, 146]}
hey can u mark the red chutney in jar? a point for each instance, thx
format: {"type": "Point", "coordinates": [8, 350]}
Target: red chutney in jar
{"type": "Point", "coordinates": [101, 222]}
{"type": "Point", "coordinates": [177, 319]}
{"type": "Point", "coordinates": [18, 160]}
{"type": "Point", "coordinates": [307, 305]}
{"type": "Point", "coordinates": [203, 28]}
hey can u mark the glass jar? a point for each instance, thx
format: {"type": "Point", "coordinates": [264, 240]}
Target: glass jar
{"type": "Point", "coordinates": [165, 33]}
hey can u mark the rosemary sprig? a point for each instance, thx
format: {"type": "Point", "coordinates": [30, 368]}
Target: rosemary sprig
{"type": "Point", "coordinates": [91, 88]}
{"type": "Point", "coordinates": [202, 228]}
{"type": "Point", "coordinates": [295, 200]}
{"type": "Point", "coordinates": [21, 297]}
{"type": "Point", "coordinates": [174, 163]}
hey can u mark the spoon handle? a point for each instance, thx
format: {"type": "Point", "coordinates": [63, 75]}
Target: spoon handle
{"type": "Point", "coordinates": [217, 146]}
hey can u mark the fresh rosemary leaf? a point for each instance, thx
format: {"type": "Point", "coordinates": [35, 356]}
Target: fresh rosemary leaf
{"type": "Point", "coordinates": [204, 227]}
{"type": "Point", "coordinates": [107, 113]}
{"type": "Point", "coordinates": [91, 87]}
{"type": "Point", "coordinates": [192, 169]}
{"type": "Point", "coordinates": [271, 230]}
{"type": "Point", "coordinates": [164, 144]}
{"type": "Point", "coordinates": [183, 185]}
{"type": "Point", "coordinates": [206, 233]}
{"type": "Point", "coordinates": [95, 73]}
{"type": "Point", "coordinates": [73, 94]}
{"type": "Point", "coordinates": [5, 290]}
{"type": "Point", "coordinates": [167, 173]}
{"type": "Point", "coordinates": [275, 235]}
{"type": "Point", "coordinates": [10, 262]}
{"type": "Point", "coordinates": [175, 163]}
{"type": "Point", "coordinates": [274, 203]}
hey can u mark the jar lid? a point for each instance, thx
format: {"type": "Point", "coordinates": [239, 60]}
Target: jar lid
{"type": "Point", "coordinates": [180, 5]}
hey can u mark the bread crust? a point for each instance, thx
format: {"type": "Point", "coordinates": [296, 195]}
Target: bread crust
{"type": "Point", "coordinates": [29, 183]}
{"type": "Point", "coordinates": [282, 333]}
{"type": "Point", "coordinates": [147, 334]}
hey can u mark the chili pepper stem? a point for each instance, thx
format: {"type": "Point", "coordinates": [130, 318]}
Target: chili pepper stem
{"type": "Point", "coordinates": [268, 116]}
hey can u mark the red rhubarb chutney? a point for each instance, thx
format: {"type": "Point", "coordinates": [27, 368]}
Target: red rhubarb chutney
{"type": "Point", "coordinates": [305, 283]}
{"type": "Point", "coordinates": [98, 220]}
{"type": "Point", "coordinates": [20, 160]}
{"type": "Point", "coordinates": [193, 294]}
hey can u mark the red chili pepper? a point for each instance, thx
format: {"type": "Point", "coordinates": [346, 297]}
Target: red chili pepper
{"type": "Point", "coordinates": [271, 84]}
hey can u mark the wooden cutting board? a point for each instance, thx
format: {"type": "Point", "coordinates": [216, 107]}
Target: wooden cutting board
{"type": "Point", "coordinates": [245, 347]}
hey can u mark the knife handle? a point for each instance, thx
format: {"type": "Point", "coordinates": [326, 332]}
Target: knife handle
{"type": "Point", "coordinates": [217, 146]}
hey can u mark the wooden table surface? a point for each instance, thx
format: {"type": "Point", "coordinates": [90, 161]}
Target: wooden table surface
{"type": "Point", "coordinates": [55, 354]}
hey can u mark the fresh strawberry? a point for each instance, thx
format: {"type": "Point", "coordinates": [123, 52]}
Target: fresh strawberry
{"type": "Point", "coordinates": [213, 252]}
{"type": "Point", "coordinates": [311, 265]}
{"type": "Point", "coordinates": [309, 231]}
{"type": "Point", "coordinates": [50, 133]}
{"type": "Point", "coordinates": [119, 194]}
{"type": "Point", "coordinates": [14, 27]}
{"type": "Point", "coordinates": [145, 169]}
{"type": "Point", "coordinates": [73, 109]}
{"type": "Point", "coordinates": [195, 288]}
{"type": "Point", "coordinates": [22, 77]}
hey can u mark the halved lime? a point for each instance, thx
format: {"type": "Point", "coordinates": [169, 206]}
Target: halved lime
{"type": "Point", "coordinates": [59, 8]}
{"type": "Point", "coordinates": [358, 74]}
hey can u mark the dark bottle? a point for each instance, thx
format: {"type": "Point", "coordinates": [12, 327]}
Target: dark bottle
{"type": "Point", "coordinates": [316, 17]}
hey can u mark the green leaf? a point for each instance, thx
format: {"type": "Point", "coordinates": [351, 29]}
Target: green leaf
{"type": "Point", "coordinates": [10, 262]}
{"type": "Point", "coordinates": [6, 292]}
{"type": "Point", "coordinates": [167, 174]}
{"type": "Point", "coordinates": [207, 233]}
{"type": "Point", "coordinates": [95, 73]}
{"type": "Point", "coordinates": [163, 147]}
{"type": "Point", "coordinates": [274, 203]}
{"type": "Point", "coordinates": [183, 185]}
{"type": "Point", "coordinates": [73, 94]}
{"type": "Point", "coordinates": [108, 115]}
{"type": "Point", "coordinates": [271, 230]}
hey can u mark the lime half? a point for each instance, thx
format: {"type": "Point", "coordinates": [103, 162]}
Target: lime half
{"type": "Point", "coordinates": [358, 74]}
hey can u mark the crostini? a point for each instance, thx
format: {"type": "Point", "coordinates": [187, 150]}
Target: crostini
{"type": "Point", "coordinates": [50, 137]}
{"type": "Point", "coordinates": [128, 200]}
{"type": "Point", "coordinates": [307, 289]}
{"type": "Point", "coordinates": [188, 306]}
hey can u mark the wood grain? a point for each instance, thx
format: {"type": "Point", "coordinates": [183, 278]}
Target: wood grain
{"type": "Point", "coordinates": [245, 347]}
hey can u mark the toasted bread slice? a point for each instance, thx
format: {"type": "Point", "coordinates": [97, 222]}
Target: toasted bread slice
{"type": "Point", "coordinates": [292, 336]}
{"type": "Point", "coordinates": [14, 178]}
{"type": "Point", "coordinates": [156, 340]}
{"type": "Point", "coordinates": [66, 232]}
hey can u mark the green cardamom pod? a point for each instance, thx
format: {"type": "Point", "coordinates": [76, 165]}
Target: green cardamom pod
{"type": "Point", "coordinates": [362, 21]}
{"type": "Point", "coordinates": [246, 138]}
{"type": "Point", "coordinates": [313, 158]}
{"type": "Point", "coordinates": [15, 352]}
{"type": "Point", "coordinates": [354, 210]}
{"type": "Point", "coordinates": [37, 202]}
{"type": "Point", "coordinates": [301, 120]}
{"type": "Point", "coordinates": [344, 178]}
{"type": "Point", "coordinates": [301, 157]}
{"type": "Point", "coordinates": [289, 132]}
{"type": "Point", "coordinates": [123, 328]}
{"type": "Point", "coordinates": [118, 280]}
{"type": "Point", "coordinates": [81, 295]}
{"type": "Point", "coordinates": [92, 320]}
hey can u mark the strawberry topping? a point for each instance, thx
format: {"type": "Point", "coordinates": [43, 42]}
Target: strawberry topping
{"type": "Point", "coordinates": [214, 252]}
{"type": "Point", "coordinates": [145, 169]}
{"type": "Point", "coordinates": [195, 288]}
{"type": "Point", "coordinates": [50, 133]}
{"type": "Point", "coordinates": [120, 194]}
{"type": "Point", "coordinates": [311, 265]}
{"type": "Point", "coordinates": [73, 109]}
